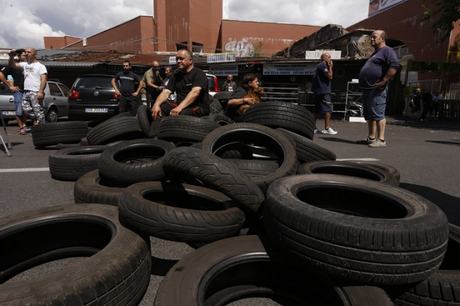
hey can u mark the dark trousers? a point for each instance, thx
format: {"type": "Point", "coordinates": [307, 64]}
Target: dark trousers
{"type": "Point", "coordinates": [189, 111]}
{"type": "Point", "coordinates": [128, 103]}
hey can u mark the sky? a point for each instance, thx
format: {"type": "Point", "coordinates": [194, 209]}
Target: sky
{"type": "Point", "coordinates": [24, 23]}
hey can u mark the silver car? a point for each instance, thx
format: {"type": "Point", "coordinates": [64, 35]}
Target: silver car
{"type": "Point", "coordinates": [55, 102]}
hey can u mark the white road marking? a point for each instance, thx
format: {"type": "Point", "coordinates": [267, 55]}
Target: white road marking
{"type": "Point", "coordinates": [24, 170]}
{"type": "Point", "coordinates": [358, 159]}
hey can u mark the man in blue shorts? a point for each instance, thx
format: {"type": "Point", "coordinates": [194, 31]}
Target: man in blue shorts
{"type": "Point", "coordinates": [373, 80]}
{"type": "Point", "coordinates": [322, 91]}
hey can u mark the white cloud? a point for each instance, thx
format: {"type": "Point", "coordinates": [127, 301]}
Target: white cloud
{"type": "Point", "coordinates": [24, 23]}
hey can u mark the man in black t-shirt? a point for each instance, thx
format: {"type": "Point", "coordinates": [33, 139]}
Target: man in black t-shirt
{"type": "Point", "coordinates": [128, 92]}
{"type": "Point", "coordinates": [17, 87]}
{"type": "Point", "coordinates": [191, 87]}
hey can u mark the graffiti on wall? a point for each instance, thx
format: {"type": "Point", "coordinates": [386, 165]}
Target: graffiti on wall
{"type": "Point", "coordinates": [243, 48]}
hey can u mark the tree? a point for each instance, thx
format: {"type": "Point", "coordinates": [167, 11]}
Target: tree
{"type": "Point", "coordinates": [446, 12]}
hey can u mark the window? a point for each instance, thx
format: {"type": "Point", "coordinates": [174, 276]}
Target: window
{"type": "Point", "coordinates": [54, 90]}
{"type": "Point", "coordinates": [64, 89]}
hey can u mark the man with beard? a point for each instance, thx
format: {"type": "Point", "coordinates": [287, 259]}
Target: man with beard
{"type": "Point", "coordinates": [373, 80]}
{"type": "Point", "coordinates": [128, 92]}
{"type": "Point", "coordinates": [153, 82]}
{"type": "Point", "coordinates": [191, 87]}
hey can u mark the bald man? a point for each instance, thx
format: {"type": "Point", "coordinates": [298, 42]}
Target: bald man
{"type": "Point", "coordinates": [153, 83]}
{"type": "Point", "coordinates": [229, 84]}
{"type": "Point", "coordinates": [35, 78]}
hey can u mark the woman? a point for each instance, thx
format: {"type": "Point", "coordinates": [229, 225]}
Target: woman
{"type": "Point", "coordinates": [248, 94]}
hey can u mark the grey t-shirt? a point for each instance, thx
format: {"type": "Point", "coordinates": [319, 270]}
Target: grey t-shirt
{"type": "Point", "coordinates": [376, 67]}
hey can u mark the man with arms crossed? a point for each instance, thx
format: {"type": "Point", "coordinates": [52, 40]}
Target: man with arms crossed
{"type": "Point", "coordinates": [191, 87]}
{"type": "Point", "coordinates": [35, 77]}
{"type": "Point", "coordinates": [373, 79]}
{"type": "Point", "coordinates": [129, 100]}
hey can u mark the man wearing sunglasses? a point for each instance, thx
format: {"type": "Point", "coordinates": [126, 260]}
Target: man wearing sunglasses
{"type": "Point", "coordinates": [191, 86]}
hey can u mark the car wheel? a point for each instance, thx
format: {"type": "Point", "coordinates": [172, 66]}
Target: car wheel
{"type": "Point", "coordinates": [116, 270]}
{"type": "Point", "coordinates": [356, 229]}
{"type": "Point", "coordinates": [52, 115]}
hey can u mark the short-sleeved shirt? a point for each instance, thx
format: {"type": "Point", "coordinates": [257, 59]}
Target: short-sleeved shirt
{"type": "Point", "coordinates": [416, 98]}
{"type": "Point", "coordinates": [32, 75]}
{"type": "Point", "coordinates": [154, 77]}
{"type": "Point", "coordinates": [321, 84]}
{"type": "Point", "coordinates": [376, 67]}
{"type": "Point", "coordinates": [231, 110]}
{"type": "Point", "coordinates": [182, 84]}
{"type": "Point", "coordinates": [129, 82]}
{"type": "Point", "coordinates": [16, 73]}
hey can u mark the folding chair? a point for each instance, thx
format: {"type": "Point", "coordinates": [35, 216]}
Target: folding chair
{"type": "Point", "coordinates": [6, 136]}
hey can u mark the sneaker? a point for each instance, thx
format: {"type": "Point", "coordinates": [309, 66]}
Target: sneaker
{"type": "Point", "coordinates": [318, 131]}
{"type": "Point", "coordinates": [366, 141]}
{"type": "Point", "coordinates": [26, 128]}
{"type": "Point", "coordinates": [22, 131]}
{"type": "Point", "coordinates": [378, 144]}
{"type": "Point", "coordinates": [329, 131]}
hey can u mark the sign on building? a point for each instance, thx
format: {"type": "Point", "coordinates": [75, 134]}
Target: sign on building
{"type": "Point", "coordinates": [224, 70]}
{"type": "Point", "coordinates": [378, 6]}
{"type": "Point", "coordinates": [172, 60]}
{"type": "Point", "coordinates": [316, 54]}
{"type": "Point", "coordinates": [228, 57]}
{"type": "Point", "coordinates": [289, 69]}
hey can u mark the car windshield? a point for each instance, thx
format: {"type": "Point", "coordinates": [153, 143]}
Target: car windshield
{"type": "Point", "coordinates": [92, 82]}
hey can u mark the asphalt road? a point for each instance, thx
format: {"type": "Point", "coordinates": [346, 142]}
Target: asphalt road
{"type": "Point", "coordinates": [425, 153]}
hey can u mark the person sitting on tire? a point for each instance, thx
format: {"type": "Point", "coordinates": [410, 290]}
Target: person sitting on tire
{"type": "Point", "coordinates": [243, 97]}
{"type": "Point", "coordinates": [191, 86]}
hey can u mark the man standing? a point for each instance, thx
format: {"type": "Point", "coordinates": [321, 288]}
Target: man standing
{"type": "Point", "coordinates": [35, 78]}
{"type": "Point", "coordinates": [127, 92]}
{"type": "Point", "coordinates": [229, 84]}
{"type": "Point", "coordinates": [322, 92]}
{"type": "Point", "coordinates": [153, 82]}
{"type": "Point", "coordinates": [17, 87]}
{"type": "Point", "coordinates": [191, 86]}
{"type": "Point", "coordinates": [373, 79]}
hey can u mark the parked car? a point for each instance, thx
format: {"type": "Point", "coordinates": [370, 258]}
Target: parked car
{"type": "Point", "coordinates": [92, 97]}
{"type": "Point", "coordinates": [55, 102]}
{"type": "Point", "coordinates": [213, 84]}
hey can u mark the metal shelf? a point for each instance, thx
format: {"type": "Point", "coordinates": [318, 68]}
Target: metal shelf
{"type": "Point", "coordinates": [353, 101]}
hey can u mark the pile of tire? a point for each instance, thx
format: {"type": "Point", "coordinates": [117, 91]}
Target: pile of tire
{"type": "Point", "coordinates": [270, 211]}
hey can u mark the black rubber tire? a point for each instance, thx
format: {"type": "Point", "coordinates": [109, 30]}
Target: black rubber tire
{"type": "Point", "coordinates": [144, 114]}
{"type": "Point", "coordinates": [180, 212]}
{"type": "Point", "coordinates": [256, 168]}
{"type": "Point", "coordinates": [223, 97]}
{"type": "Point", "coordinates": [71, 163]}
{"type": "Point", "coordinates": [308, 150]}
{"type": "Point", "coordinates": [114, 129]}
{"type": "Point", "coordinates": [392, 170]}
{"type": "Point", "coordinates": [443, 287]}
{"type": "Point", "coordinates": [134, 161]}
{"type": "Point", "coordinates": [215, 173]}
{"type": "Point", "coordinates": [220, 119]}
{"type": "Point", "coordinates": [185, 128]}
{"type": "Point", "coordinates": [257, 135]}
{"type": "Point", "coordinates": [234, 268]}
{"type": "Point", "coordinates": [50, 134]}
{"type": "Point", "coordinates": [115, 272]}
{"type": "Point", "coordinates": [348, 169]}
{"type": "Point", "coordinates": [215, 107]}
{"type": "Point", "coordinates": [357, 229]}
{"type": "Point", "coordinates": [284, 115]}
{"type": "Point", "coordinates": [90, 189]}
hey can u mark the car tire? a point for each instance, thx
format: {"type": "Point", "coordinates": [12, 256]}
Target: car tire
{"type": "Point", "coordinates": [308, 150]}
{"type": "Point", "coordinates": [114, 129]}
{"type": "Point", "coordinates": [91, 189]}
{"type": "Point", "coordinates": [392, 170]}
{"type": "Point", "coordinates": [185, 128]}
{"type": "Point", "coordinates": [52, 115]}
{"type": "Point", "coordinates": [180, 212]}
{"type": "Point", "coordinates": [356, 229]}
{"type": "Point", "coordinates": [70, 164]}
{"type": "Point", "coordinates": [134, 161]}
{"type": "Point", "coordinates": [215, 173]}
{"type": "Point", "coordinates": [250, 266]}
{"type": "Point", "coordinates": [115, 272]}
{"type": "Point", "coordinates": [284, 115]}
{"type": "Point", "coordinates": [258, 135]}
{"type": "Point", "coordinates": [144, 114]}
{"type": "Point", "coordinates": [348, 169]}
{"type": "Point", "coordinates": [215, 107]}
{"type": "Point", "coordinates": [50, 134]}
{"type": "Point", "coordinates": [442, 288]}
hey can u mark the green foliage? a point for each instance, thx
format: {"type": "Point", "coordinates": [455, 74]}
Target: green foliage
{"type": "Point", "coordinates": [445, 14]}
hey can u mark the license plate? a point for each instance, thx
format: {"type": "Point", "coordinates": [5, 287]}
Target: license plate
{"type": "Point", "coordinates": [97, 110]}
{"type": "Point", "coordinates": [8, 113]}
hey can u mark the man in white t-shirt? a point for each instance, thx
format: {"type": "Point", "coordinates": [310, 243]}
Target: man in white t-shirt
{"type": "Point", "coordinates": [35, 77]}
